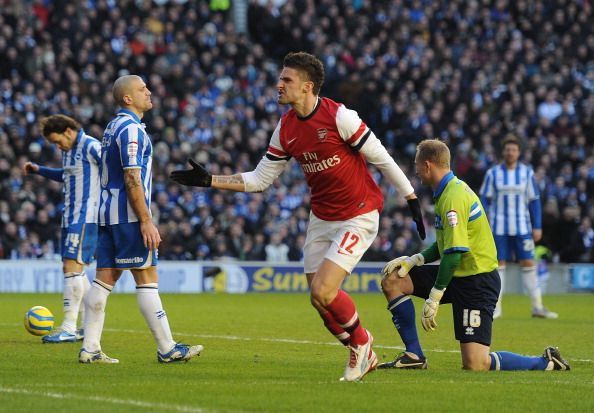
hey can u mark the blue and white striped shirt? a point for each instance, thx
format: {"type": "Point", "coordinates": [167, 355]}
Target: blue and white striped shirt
{"type": "Point", "coordinates": [81, 180]}
{"type": "Point", "coordinates": [506, 195]}
{"type": "Point", "coordinates": [125, 145]}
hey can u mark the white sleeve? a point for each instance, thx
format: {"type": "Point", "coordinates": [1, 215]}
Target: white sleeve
{"type": "Point", "coordinates": [269, 167]}
{"type": "Point", "coordinates": [95, 151]}
{"type": "Point", "coordinates": [350, 126]}
{"type": "Point", "coordinates": [376, 154]}
{"type": "Point", "coordinates": [532, 189]}
{"type": "Point", "coordinates": [265, 173]}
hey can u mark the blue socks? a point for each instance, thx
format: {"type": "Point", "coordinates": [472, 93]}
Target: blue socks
{"type": "Point", "coordinates": [403, 317]}
{"type": "Point", "coordinates": [504, 360]}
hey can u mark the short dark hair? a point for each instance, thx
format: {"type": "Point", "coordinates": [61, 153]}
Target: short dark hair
{"type": "Point", "coordinates": [121, 87]}
{"type": "Point", "coordinates": [511, 140]}
{"type": "Point", "coordinates": [308, 64]}
{"type": "Point", "coordinates": [57, 124]}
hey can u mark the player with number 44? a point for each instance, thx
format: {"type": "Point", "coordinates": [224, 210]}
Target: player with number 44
{"type": "Point", "coordinates": [466, 277]}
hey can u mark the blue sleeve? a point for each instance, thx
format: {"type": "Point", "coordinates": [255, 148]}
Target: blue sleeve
{"type": "Point", "coordinates": [535, 213]}
{"type": "Point", "coordinates": [55, 174]}
{"type": "Point", "coordinates": [485, 201]}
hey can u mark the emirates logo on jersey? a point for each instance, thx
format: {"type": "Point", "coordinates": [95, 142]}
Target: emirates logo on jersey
{"type": "Point", "coordinates": [322, 132]}
{"type": "Point", "coordinates": [311, 164]}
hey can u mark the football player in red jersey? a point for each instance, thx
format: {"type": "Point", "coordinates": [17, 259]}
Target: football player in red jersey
{"type": "Point", "coordinates": [332, 145]}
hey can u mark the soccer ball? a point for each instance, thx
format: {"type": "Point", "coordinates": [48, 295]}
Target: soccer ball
{"type": "Point", "coordinates": [39, 321]}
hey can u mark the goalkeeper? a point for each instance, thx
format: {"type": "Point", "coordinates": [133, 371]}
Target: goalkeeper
{"type": "Point", "coordinates": [466, 276]}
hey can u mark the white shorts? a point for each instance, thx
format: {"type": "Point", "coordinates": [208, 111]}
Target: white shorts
{"type": "Point", "coordinates": [343, 242]}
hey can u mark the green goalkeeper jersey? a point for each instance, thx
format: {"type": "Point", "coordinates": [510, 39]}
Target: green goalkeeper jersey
{"type": "Point", "coordinates": [462, 226]}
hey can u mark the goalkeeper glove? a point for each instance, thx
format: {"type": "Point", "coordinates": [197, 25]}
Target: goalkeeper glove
{"type": "Point", "coordinates": [197, 176]}
{"type": "Point", "coordinates": [430, 309]}
{"type": "Point", "coordinates": [415, 210]}
{"type": "Point", "coordinates": [403, 264]}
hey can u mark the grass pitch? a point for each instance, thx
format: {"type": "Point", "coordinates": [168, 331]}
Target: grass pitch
{"type": "Point", "coordinates": [270, 353]}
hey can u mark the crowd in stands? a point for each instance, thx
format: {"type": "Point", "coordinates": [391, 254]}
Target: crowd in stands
{"type": "Point", "coordinates": [468, 72]}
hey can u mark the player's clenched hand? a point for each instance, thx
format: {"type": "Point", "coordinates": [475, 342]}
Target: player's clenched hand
{"type": "Point", "coordinates": [417, 216]}
{"type": "Point", "coordinates": [150, 235]}
{"type": "Point", "coordinates": [197, 176]}
{"type": "Point", "coordinates": [403, 265]}
{"type": "Point", "coordinates": [430, 309]}
{"type": "Point", "coordinates": [30, 167]}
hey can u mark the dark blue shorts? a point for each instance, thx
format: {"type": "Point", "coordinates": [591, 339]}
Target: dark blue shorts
{"type": "Point", "coordinates": [520, 247]}
{"type": "Point", "coordinates": [121, 246]}
{"type": "Point", "coordinates": [473, 300]}
{"type": "Point", "coordinates": [79, 242]}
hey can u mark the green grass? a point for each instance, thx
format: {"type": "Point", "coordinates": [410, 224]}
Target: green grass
{"type": "Point", "coordinates": [270, 353]}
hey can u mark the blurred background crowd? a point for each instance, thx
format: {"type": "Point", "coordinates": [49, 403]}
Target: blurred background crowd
{"type": "Point", "coordinates": [468, 72]}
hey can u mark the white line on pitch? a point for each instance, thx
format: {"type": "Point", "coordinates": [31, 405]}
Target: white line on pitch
{"type": "Point", "coordinates": [292, 341]}
{"type": "Point", "coordinates": [271, 340]}
{"type": "Point", "coordinates": [125, 402]}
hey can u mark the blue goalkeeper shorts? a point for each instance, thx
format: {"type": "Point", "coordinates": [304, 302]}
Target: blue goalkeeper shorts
{"type": "Point", "coordinates": [473, 300]}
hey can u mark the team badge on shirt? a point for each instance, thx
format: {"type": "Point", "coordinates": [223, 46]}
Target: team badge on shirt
{"type": "Point", "coordinates": [452, 218]}
{"type": "Point", "coordinates": [132, 149]}
{"type": "Point", "coordinates": [322, 132]}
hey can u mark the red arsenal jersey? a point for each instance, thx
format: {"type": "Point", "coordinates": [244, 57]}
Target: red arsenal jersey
{"type": "Point", "coordinates": [326, 143]}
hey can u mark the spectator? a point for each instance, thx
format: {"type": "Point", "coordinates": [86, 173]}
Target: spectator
{"type": "Point", "coordinates": [419, 74]}
{"type": "Point", "coordinates": [277, 250]}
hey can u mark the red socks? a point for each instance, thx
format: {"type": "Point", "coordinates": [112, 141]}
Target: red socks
{"type": "Point", "coordinates": [342, 315]}
{"type": "Point", "coordinates": [335, 328]}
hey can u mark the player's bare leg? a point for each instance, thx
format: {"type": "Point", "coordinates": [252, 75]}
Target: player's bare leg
{"type": "Point", "coordinates": [326, 295]}
{"type": "Point", "coordinates": [475, 356]}
{"type": "Point", "coordinates": [329, 322]}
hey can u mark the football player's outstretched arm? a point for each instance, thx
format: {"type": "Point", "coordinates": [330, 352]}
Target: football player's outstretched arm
{"type": "Point", "coordinates": [135, 192]}
{"type": "Point", "coordinates": [231, 182]}
{"type": "Point", "coordinates": [55, 174]}
{"type": "Point", "coordinates": [199, 176]}
{"type": "Point", "coordinates": [254, 181]}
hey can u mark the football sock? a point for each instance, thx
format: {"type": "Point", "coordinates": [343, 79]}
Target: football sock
{"type": "Point", "coordinates": [504, 360]}
{"type": "Point", "coordinates": [335, 328]}
{"type": "Point", "coordinates": [343, 310]}
{"type": "Point", "coordinates": [81, 308]}
{"type": "Point", "coordinates": [530, 281]}
{"type": "Point", "coordinates": [73, 294]}
{"type": "Point", "coordinates": [149, 302]}
{"type": "Point", "coordinates": [403, 317]}
{"type": "Point", "coordinates": [501, 271]}
{"type": "Point", "coordinates": [95, 301]}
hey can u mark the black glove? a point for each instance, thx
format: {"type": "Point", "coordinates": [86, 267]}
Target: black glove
{"type": "Point", "coordinates": [197, 176]}
{"type": "Point", "coordinates": [415, 210]}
